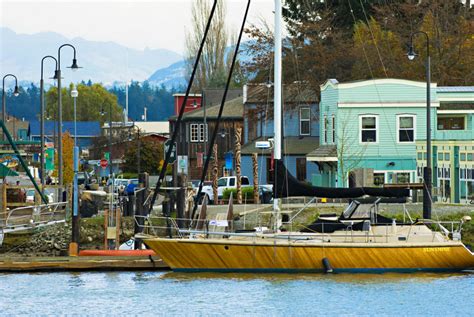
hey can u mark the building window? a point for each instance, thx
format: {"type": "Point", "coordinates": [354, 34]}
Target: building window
{"type": "Point", "coordinates": [305, 121]}
{"type": "Point", "coordinates": [451, 122]}
{"type": "Point", "coordinates": [198, 132]}
{"type": "Point", "coordinates": [301, 169]}
{"type": "Point", "coordinates": [401, 178]}
{"type": "Point", "coordinates": [368, 131]}
{"type": "Point", "coordinates": [379, 179]}
{"type": "Point", "coordinates": [333, 126]}
{"type": "Point", "coordinates": [325, 129]}
{"type": "Point", "coordinates": [406, 129]}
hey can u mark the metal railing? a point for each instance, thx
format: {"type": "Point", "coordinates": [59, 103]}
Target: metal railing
{"type": "Point", "coordinates": [30, 217]}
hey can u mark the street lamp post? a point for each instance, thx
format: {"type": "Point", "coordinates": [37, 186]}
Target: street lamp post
{"type": "Point", "coordinates": [427, 173]}
{"type": "Point", "coordinates": [75, 210]}
{"type": "Point", "coordinates": [16, 92]}
{"type": "Point", "coordinates": [42, 110]}
{"type": "Point", "coordinates": [73, 67]}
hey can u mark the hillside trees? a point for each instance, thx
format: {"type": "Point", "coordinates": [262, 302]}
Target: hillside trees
{"type": "Point", "coordinates": [354, 40]}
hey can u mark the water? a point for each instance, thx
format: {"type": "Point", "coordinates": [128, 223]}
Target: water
{"type": "Point", "coordinates": [173, 294]}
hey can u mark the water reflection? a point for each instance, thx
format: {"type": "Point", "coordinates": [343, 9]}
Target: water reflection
{"type": "Point", "coordinates": [344, 278]}
{"type": "Point", "coordinates": [75, 280]}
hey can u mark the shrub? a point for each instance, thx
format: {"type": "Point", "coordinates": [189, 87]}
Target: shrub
{"type": "Point", "coordinates": [247, 193]}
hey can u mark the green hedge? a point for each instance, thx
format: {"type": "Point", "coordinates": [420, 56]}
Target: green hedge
{"type": "Point", "coordinates": [247, 193]}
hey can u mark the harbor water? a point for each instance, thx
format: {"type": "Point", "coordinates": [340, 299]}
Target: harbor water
{"type": "Point", "coordinates": [173, 294]}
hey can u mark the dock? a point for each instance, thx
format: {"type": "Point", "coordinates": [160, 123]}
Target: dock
{"type": "Point", "coordinates": [81, 263]}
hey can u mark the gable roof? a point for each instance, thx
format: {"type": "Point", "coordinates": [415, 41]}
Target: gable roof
{"type": "Point", "coordinates": [84, 128]}
{"type": "Point", "coordinates": [233, 110]}
{"type": "Point", "coordinates": [297, 92]}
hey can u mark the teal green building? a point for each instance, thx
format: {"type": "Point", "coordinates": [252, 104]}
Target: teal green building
{"type": "Point", "coordinates": [379, 127]}
{"type": "Point", "coordinates": [452, 146]}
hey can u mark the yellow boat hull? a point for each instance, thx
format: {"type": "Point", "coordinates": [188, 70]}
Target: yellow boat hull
{"type": "Point", "coordinates": [220, 255]}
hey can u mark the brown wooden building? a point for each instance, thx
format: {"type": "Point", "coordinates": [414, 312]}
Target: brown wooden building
{"type": "Point", "coordinates": [197, 128]}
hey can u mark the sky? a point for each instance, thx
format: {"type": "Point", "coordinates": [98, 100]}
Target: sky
{"type": "Point", "coordinates": [136, 24]}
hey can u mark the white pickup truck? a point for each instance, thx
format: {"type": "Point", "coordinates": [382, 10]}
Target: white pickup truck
{"type": "Point", "coordinates": [231, 182]}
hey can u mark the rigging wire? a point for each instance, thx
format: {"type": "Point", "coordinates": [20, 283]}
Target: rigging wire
{"type": "Point", "coordinates": [181, 111]}
{"type": "Point", "coordinates": [221, 109]}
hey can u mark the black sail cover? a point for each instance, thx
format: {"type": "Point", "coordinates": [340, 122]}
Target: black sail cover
{"type": "Point", "coordinates": [287, 185]}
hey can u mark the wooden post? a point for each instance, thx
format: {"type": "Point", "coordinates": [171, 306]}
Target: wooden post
{"type": "Point", "coordinates": [215, 171]}
{"type": "Point", "coordinates": [106, 225]}
{"type": "Point", "coordinates": [255, 178]}
{"type": "Point", "coordinates": [118, 213]}
{"type": "Point", "coordinates": [181, 201]}
{"type": "Point", "coordinates": [238, 138]}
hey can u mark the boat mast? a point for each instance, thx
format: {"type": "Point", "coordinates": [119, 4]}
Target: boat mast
{"type": "Point", "coordinates": [277, 107]}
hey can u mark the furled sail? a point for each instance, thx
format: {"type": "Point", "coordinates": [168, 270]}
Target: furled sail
{"type": "Point", "coordinates": [286, 185]}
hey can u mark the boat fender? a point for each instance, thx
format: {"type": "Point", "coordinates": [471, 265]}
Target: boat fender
{"type": "Point", "coordinates": [327, 266]}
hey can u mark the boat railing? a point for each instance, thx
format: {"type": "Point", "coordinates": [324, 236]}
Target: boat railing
{"type": "Point", "coordinates": [221, 228]}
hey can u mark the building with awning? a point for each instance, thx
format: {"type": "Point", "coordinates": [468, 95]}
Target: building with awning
{"type": "Point", "coordinates": [379, 126]}
{"type": "Point", "coordinates": [325, 156]}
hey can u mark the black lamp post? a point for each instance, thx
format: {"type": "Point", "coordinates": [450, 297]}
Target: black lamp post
{"type": "Point", "coordinates": [73, 67]}
{"type": "Point", "coordinates": [16, 92]}
{"type": "Point", "coordinates": [42, 115]}
{"type": "Point", "coordinates": [427, 173]}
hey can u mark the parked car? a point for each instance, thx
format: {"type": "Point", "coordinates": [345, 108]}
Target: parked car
{"type": "Point", "coordinates": [265, 191]}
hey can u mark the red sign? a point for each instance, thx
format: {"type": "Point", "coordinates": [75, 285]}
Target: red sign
{"type": "Point", "coordinates": [104, 163]}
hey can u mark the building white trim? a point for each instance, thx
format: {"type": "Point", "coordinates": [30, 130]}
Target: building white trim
{"type": "Point", "coordinates": [321, 159]}
{"type": "Point", "coordinates": [383, 81]}
{"type": "Point", "coordinates": [448, 98]}
{"type": "Point", "coordinates": [455, 111]}
{"type": "Point", "coordinates": [420, 104]}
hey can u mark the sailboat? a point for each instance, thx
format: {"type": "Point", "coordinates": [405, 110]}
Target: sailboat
{"type": "Point", "coordinates": [358, 240]}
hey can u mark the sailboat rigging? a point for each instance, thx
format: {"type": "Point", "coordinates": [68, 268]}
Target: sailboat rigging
{"type": "Point", "coordinates": [359, 240]}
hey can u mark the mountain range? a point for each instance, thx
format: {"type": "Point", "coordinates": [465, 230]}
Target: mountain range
{"type": "Point", "coordinates": [106, 62]}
